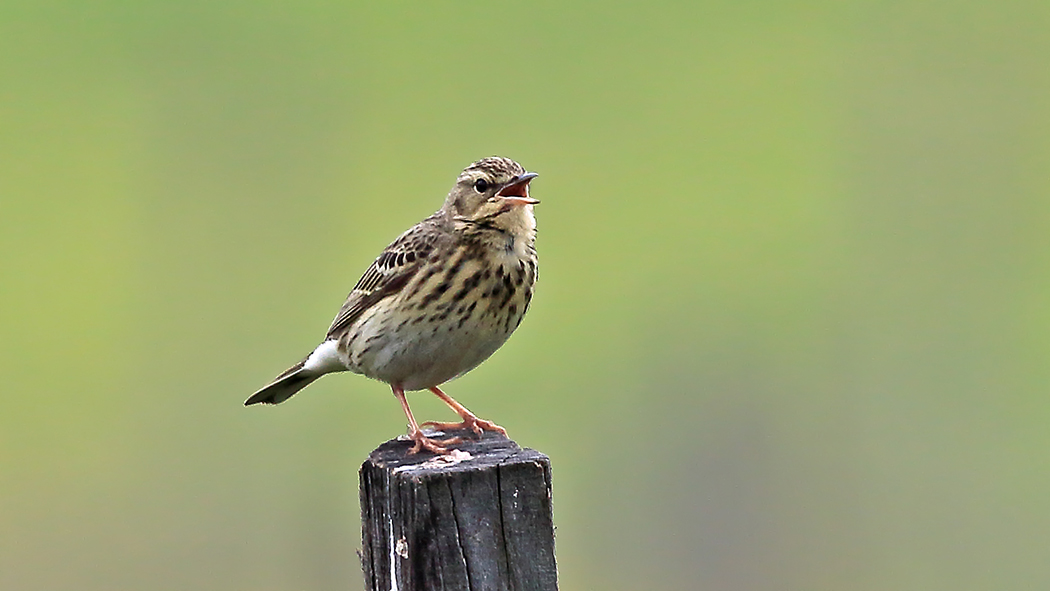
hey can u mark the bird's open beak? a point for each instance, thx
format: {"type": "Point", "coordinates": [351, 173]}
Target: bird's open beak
{"type": "Point", "coordinates": [516, 191]}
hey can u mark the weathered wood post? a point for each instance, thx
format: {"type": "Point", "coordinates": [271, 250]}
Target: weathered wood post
{"type": "Point", "coordinates": [477, 520]}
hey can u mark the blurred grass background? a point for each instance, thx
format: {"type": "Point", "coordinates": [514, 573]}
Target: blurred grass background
{"type": "Point", "coordinates": [791, 330]}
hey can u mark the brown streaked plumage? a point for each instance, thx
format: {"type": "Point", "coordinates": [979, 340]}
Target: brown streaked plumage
{"type": "Point", "coordinates": [438, 301]}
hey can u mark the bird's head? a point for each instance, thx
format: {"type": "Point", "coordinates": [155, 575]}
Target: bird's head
{"type": "Point", "coordinates": [495, 191]}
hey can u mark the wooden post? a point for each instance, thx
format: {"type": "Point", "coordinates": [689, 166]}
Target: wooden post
{"type": "Point", "coordinates": [477, 520]}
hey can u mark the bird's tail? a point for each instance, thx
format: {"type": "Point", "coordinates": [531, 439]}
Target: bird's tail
{"type": "Point", "coordinates": [285, 385]}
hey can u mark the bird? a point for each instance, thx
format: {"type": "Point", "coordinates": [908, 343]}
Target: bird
{"type": "Point", "coordinates": [437, 302]}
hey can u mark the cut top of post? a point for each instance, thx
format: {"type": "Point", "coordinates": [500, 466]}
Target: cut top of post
{"type": "Point", "coordinates": [471, 454]}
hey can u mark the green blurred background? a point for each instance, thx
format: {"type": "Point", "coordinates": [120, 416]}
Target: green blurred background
{"type": "Point", "coordinates": [792, 327]}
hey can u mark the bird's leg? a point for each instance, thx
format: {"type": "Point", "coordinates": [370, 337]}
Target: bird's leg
{"type": "Point", "coordinates": [415, 433]}
{"type": "Point", "coordinates": [470, 420]}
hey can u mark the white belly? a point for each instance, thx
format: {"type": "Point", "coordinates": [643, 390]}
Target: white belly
{"type": "Point", "coordinates": [426, 350]}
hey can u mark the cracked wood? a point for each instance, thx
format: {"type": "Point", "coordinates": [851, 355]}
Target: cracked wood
{"type": "Point", "coordinates": [478, 524]}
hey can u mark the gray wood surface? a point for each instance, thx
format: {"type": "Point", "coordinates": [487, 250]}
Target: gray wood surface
{"type": "Point", "coordinates": [478, 524]}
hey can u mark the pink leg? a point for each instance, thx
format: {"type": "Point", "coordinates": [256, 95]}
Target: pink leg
{"type": "Point", "coordinates": [470, 420]}
{"type": "Point", "coordinates": [415, 433]}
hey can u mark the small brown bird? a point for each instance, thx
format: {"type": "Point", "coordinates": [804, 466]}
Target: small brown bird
{"type": "Point", "coordinates": [438, 301]}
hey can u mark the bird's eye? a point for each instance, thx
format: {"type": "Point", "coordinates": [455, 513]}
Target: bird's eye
{"type": "Point", "coordinates": [481, 185]}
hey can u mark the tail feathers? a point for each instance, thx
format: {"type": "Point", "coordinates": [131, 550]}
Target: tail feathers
{"type": "Point", "coordinates": [285, 385]}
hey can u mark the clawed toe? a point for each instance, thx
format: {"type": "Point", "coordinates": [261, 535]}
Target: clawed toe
{"type": "Point", "coordinates": [425, 443]}
{"type": "Point", "coordinates": [478, 426]}
{"type": "Point", "coordinates": [454, 426]}
{"type": "Point", "coordinates": [489, 426]}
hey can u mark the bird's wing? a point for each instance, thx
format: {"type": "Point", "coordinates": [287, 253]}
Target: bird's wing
{"type": "Point", "coordinates": [387, 275]}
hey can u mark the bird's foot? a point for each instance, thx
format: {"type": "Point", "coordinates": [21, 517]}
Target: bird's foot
{"type": "Point", "coordinates": [478, 426]}
{"type": "Point", "coordinates": [435, 447]}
